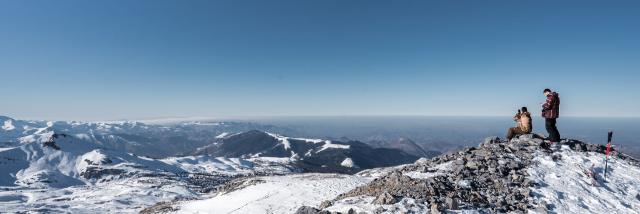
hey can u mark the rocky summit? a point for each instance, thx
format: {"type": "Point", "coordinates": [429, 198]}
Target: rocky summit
{"type": "Point", "coordinates": [490, 178]}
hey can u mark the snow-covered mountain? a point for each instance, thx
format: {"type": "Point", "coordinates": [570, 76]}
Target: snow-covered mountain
{"type": "Point", "coordinates": [495, 177]}
{"type": "Point", "coordinates": [68, 167]}
{"type": "Point", "coordinates": [51, 172]}
{"type": "Point", "coordinates": [89, 167]}
{"type": "Point", "coordinates": [312, 155]}
{"type": "Point", "coordinates": [153, 140]}
{"type": "Point", "coordinates": [80, 167]}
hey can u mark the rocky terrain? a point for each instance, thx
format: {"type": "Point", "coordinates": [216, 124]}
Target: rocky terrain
{"type": "Point", "coordinates": [84, 167]}
{"type": "Point", "coordinates": [492, 178]}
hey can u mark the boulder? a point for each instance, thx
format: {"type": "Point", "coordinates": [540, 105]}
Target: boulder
{"type": "Point", "coordinates": [452, 203]}
{"type": "Point", "coordinates": [310, 210]}
{"type": "Point", "coordinates": [472, 165]}
{"type": "Point", "coordinates": [435, 209]}
{"type": "Point", "coordinates": [325, 204]}
{"type": "Point", "coordinates": [385, 198]}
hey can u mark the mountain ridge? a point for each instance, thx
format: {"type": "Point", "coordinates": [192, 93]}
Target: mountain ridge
{"type": "Point", "coordinates": [313, 155]}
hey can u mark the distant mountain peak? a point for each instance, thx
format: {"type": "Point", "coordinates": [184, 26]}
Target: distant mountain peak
{"type": "Point", "coordinates": [311, 154]}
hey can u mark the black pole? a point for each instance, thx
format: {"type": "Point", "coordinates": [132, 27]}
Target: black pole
{"type": "Point", "coordinates": [606, 162]}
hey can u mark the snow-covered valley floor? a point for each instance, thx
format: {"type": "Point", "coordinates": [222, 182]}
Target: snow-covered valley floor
{"type": "Point", "coordinates": [278, 194]}
{"type": "Point", "coordinates": [125, 196]}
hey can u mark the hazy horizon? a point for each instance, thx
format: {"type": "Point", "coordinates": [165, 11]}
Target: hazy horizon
{"type": "Point", "coordinates": [447, 133]}
{"type": "Point", "coordinates": [291, 117]}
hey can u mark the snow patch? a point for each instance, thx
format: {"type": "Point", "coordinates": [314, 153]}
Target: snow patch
{"type": "Point", "coordinates": [329, 145]}
{"type": "Point", "coordinates": [229, 166]}
{"type": "Point", "coordinates": [348, 162]}
{"type": "Point", "coordinates": [287, 145]}
{"type": "Point", "coordinates": [564, 186]}
{"type": "Point", "coordinates": [282, 139]}
{"type": "Point", "coordinates": [437, 170]}
{"type": "Point", "coordinates": [8, 125]}
{"type": "Point", "coordinates": [94, 157]}
{"type": "Point", "coordinates": [223, 135]}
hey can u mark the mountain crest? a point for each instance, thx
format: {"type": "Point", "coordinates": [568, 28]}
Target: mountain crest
{"type": "Point", "coordinates": [500, 177]}
{"type": "Point", "coordinates": [315, 155]}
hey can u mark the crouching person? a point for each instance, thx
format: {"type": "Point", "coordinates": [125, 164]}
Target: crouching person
{"type": "Point", "coordinates": [523, 119]}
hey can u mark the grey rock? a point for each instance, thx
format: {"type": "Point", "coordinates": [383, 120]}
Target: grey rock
{"type": "Point", "coordinates": [472, 165]}
{"type": "Point", "coordinates": [162, 207]}
{"type": "Point", "coordinates": [310, 210]}
{"type": "Point", "coordinates": [525, 137]}
{"type": "Point", "coordinates": [325, 204]}
{"type": "Point", "coordinates": [94, 172]}
{"type": "Point", "coordinates": [435, 208]}
{"type": "Point", "coordinates": [452, 203]}
{"type": "Point", "coordinates": [513, 165]}
{"type": "Point", "coordinates": [496, 172]}
{"type": "Point", "coordinates": [379, 210]}
{"type": "Point", "coordinates": [385, 198]}
{"type": "Point", "coordinates": [515, 177]}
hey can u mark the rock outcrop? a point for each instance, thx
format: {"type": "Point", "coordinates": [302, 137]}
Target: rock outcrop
{"type": "Point", "coordinates": [490, 178]}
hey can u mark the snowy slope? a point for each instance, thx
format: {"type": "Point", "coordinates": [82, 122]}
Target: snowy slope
{"type": "Point", "coordinates": [278, 194]}
{"type": "Point", "coordinates": [49, 159]}
{"type": "Point", "coordinates": [558, 185]}
{"type": "Point", "coordinates": [47, 170]}
{"type": "Point", "coordinates": [565, 188]}
{"type": "Point", "coordinates": [134, 193]}
{"type": "Point", "coordinates": [232, 166]}
{"type": "Point", "coordinates": [121, 196]}
{"type": "Point", "coordinates": [281, 194]}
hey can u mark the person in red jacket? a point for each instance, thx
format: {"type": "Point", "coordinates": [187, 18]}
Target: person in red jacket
{"type": "Point", "coordinates": [551, 112]}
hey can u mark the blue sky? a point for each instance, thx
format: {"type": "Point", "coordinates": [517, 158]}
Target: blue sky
{"type": "Point", "coordinates": [91, 60]}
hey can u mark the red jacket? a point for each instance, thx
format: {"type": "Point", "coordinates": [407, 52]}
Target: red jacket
{"type": "Point", "coordinates": [551, 108]}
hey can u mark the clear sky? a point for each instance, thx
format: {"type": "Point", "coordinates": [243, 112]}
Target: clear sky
{"type": "Point", "coordinates": [91, 60]}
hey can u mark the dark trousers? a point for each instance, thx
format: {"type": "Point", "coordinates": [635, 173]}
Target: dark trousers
{"type": "Point", "coordinates": [554, 134]}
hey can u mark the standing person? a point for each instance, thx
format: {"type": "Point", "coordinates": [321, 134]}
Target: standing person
{"type": "Point", "coordinates": [551, 112]}
{"type": "Point", "coordinates": [523, 118]}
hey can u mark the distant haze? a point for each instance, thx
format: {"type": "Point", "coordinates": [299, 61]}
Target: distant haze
{"type": "Point", "coordinates": [451, 133]}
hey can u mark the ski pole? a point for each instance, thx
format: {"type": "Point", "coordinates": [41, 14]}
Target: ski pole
{"type": "Point", "coordinates": [606, 158]}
